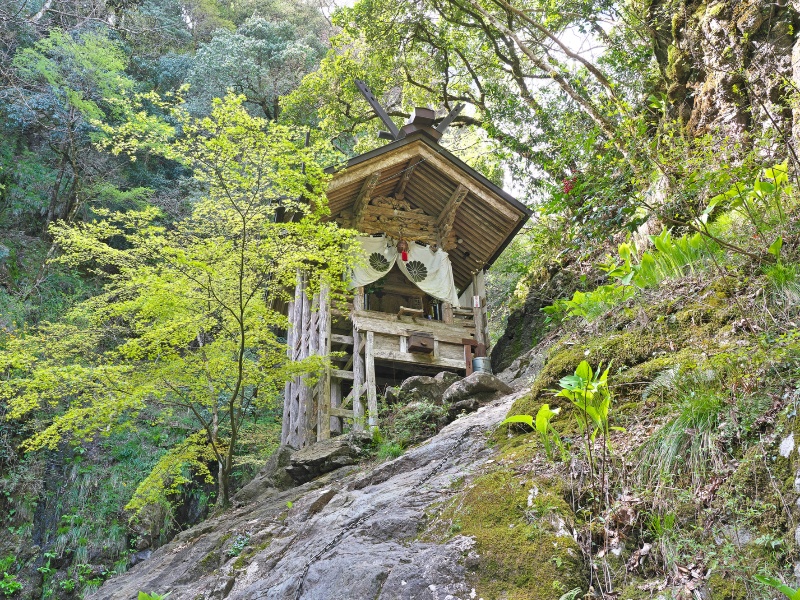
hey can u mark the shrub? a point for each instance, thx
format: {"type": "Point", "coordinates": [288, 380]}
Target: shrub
{"type": "Point", "coordinates": [9, 585]}
{"type": "Point", "coordinates": [389, 450]}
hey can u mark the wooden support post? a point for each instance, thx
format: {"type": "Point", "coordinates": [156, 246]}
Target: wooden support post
{"type": "Point", "coordinates": [469, 344]}
{"type": "Point", "coordinates": [324, 346]}
{"type": "Point", "coordinates": [479, 283]}
{"type": "Point", "coordinates": [307, 415]}
{"type": "Point", "coordinates": [447, 313]}
{"type": "Point", "coordinates": [297, 337]}
{"type": "Point", "coordinates": [372, 392]}
{"type": "Point", "coordinates": [287, 391]}
{"type": "Point", "coordinates": [336, 402]}
{"type": "Point", "coordinates": [313, 328]}
{"type": "Point", "coordinates": [358, 367]}
{"type": "Point", "coordinates": [477, 313]}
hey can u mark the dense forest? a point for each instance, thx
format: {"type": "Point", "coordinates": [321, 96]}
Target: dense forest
{"type": "Point", "coordinates": [163, 179]}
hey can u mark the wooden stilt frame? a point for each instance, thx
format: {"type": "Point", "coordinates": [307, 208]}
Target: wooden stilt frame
{"type": "Point", "coordinates": [313, 413]}
{"type": "Point", "coordinates": [306, 409]}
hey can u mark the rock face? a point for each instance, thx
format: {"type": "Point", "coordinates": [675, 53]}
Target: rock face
{"type": "Point", "coordinates": [351, 533]}
{"type": "Point", "coordinates": [724, 62]}
{"type": "Point", "coordinates": [523, 370]}
{"type": "Point", "coordinates": [526, 324]}
{"type": "Point", "coordinates": [272, 478]}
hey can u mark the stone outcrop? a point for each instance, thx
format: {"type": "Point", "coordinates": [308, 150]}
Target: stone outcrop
{"type": "Point", "coordinates": [725, 63]}
{"type": "Point", "coordinates": [271, 479]}
{"type": "Point", "coordinates": [326, 456]}
{"type": "Point", "coordinates": [526, 324]}
{"type": "Point", "coordinates": [350, 533]}
{"type": "Point", "coordinates": [421, 388]}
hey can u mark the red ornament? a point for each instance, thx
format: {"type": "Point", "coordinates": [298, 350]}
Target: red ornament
{"type": "Point", "coordinates": [402, 248]}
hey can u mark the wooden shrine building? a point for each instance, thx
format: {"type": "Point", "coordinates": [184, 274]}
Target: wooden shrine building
{"type": "Point", "coordinates": [430, 226]}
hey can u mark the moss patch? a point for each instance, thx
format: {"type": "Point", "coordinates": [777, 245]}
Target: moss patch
{"type": "Point", "coordinates": [726, 588]}
{"type": "Point", "coordinates": [627, 349]}
{"type": "Point", "coordinates": [244, 558]}
{"type": "Point", "coordinates": [521, 555]}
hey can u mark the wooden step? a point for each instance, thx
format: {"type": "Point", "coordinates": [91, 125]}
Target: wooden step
{"type": "Point", "coordinates": [341, 412]}
{"type": "Point", "coordinates": [340, 374]}
{"type": "Point", "coordinates": [342, 339]}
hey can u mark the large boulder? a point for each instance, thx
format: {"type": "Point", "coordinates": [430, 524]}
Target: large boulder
{"type": "Point", "coordinates": [521, 373]}
{"type": "Point", "coordinates": [326, 456]}
{"type": "Point", "coordinates": [272, 478]}
{"type": "Point", "coordinates": [421, 388]}
{"type": "Point", "coordinates": [480, 386]}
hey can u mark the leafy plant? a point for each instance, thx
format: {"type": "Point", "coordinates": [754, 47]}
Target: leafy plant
{"type": "Point", "coordinates": [587, 390]}
{"type": "Point", "coordinates": [152, 596]}
{"type": "Point", "coordinates": [660, 526]}
{"type": "Point", "coordinates": [791, 593]}
{"type": "Point", "coordinates": [9, 585]}
{"type": "Point", "coordinates": [238, 544]}
{"type": "Point", "coordinates": [7, 562]}
{"type": "Point", "coordinates": [573, 594]}
{"type": "Point", "coordinates": [589, 305]}
{"type": "Point", "coordinates": [388, 450]}
{"type": "Point", "coordinates": [541, 424]}
{"type": "Point", "coordinates": [672, 257]}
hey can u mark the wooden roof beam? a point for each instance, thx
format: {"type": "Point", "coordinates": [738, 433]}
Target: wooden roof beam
{"type": "Point", "coordinates": [363, 197]}
{"type": "Point", "coordinates": [394, 132]}
{"type": "Point", "coordinates": [444, 224]}
{"type": "Point", "coordinates": [400, 189]}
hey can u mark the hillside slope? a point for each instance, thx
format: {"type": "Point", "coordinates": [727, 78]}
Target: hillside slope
{"type": "Point", "coordinates": [354, 533]}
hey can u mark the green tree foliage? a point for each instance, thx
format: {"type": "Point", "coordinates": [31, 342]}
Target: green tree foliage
{"type": "Point", "coordinates": [64, 82]}
{"type": "Point", "coordinates": [496, 57]}
{"type": "Point", "coordinates": [189, 318]}
{"type": "Point", "coordinates": [261, 60]}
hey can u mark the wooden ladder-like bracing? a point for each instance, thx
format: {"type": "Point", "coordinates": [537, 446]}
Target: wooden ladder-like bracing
{"type": "Point", "coordinates": [312, 412]}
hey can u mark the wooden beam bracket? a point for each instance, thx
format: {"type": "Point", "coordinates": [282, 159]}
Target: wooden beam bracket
{"type": "Point", "coordinates": [444, 224]}
{"type": "Point", "coordinates": [363, 197]}
{"type": "Point", "coordinates": [400, 189]}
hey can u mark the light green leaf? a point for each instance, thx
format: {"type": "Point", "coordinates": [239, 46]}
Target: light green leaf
{"type": "Point", "coordinates": [584, 371]}
{"type": "Point", "coordinates": [527, 419]}
{"type": "Point", "coordinates": [775, 247]}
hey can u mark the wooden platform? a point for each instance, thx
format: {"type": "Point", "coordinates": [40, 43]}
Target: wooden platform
{"type": "Point", "coordinates": [391, 332]}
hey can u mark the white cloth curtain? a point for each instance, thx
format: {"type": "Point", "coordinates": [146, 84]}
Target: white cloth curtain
{"type": "Point", "coordinates": [378, 255]}
{"type": "Point", "coordinates": [429, 271]}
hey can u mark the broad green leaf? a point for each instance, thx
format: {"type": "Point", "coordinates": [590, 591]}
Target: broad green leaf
{"type": "Point", "coordinates": [775, 247]}
{"type": "Point", "coordinates": [543, 417]}
{"type": "Point", "coordinates": [527, 419]}
{"type": "Point", "coordinates": [584, 371]}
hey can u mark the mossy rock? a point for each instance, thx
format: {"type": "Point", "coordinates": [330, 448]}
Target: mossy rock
{"type": "Point", "coordinates": [522, 556]}
{"type": "Point", "coordinates": [678, 65]}
{"type": "Point", "coordinates": [721, 587]}
{"type": "Point", "coordinates": [625, 350]}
